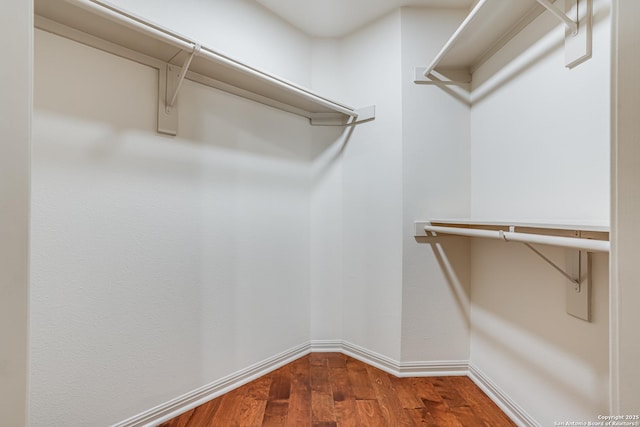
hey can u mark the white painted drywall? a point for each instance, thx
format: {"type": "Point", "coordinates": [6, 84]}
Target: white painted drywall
{"type": "Point", "coordinates": [369, 190]}
{"type": "Point", "coordinates": [625, 205]}
{"type": "Point", "coordinates": [16, 42]}
{"type": "Point", "coordinates": [435, 181]}
{"type": "Point", "coordinates": [540, 131]}
{"type": "Point", "coordinates": [540, 151]}
{"type": "Point", "coordinates": [159, 264]}
{"type": "Point", "coordinates": [325, 227]}
{"type": "Point", "coordinates": [553, 365]}
{"type": "Point", "coordinates": [372, 190]}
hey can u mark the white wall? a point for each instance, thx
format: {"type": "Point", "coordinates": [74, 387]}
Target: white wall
{"type": "Point", "coordinates": [158, 264]}
{"type": "Point", "coordinates": [372, 184]}
{"type": "Point", "coordinates": [15, 108]}
{"type": "Point", "coordinates": [625, 209]}
{"type": "Point", "coordinates": [553, 365]}
{"type": "Point", "coordinates": [326, 213]}
{"type": "Point", "coordinates": [540, 151]}
{"type": "Point", "coordinates": [161, 264]}
{"type": "Point", "coordinates": [540, 131]}
{"type": "Point", "coordinates": [372, 189]}
{"type": "Point", "coordinates": [435, 180]}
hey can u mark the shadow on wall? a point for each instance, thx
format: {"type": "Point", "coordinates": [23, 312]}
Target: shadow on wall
{"type": "Point", "coordinates": [543, 370]}
{"type": "Point", "coordinates": [518, 319]}
{"type": "Point", "coordinates": [453, 267]}
{"type": "Point", "coordinates": [220, 120]}
{"type": "Point", "coordinates": [85, 85]}
{"type": "Point", "coordinates": [512, 283]}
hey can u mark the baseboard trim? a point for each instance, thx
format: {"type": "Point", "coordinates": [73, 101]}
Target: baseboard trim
{"type": "Point", "coordinates": [502, 399]}
{"type": "Point", "coordinates": [394, 367]}
{"type": "Point", "coordinates": [187, 401]}
{"type": "Point", "coordinates": [197, 397]}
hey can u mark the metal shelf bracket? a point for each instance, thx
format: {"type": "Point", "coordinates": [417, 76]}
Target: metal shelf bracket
{"type": "Point", "coordinates": [361, 115]}
{"type": "Point", "coordinates": [578, 291]}
{"type": "Point", "coordinates": [577, 18]}
{"type": "Point", "coordinates": [578, 242]}
{"type": "Point", "coordinates": [183, 72]}
{"type": "Point", "coordinates": [170, 81]}
{"type": "Point", "coordinates": [572, 25]}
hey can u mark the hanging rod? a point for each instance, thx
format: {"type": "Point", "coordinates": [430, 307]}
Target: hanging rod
{"type": "Point", "coordinates": [512, 236]}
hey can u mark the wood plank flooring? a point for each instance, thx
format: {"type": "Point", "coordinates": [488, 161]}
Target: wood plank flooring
{"type": "Point", "coordinates": [335, 390]}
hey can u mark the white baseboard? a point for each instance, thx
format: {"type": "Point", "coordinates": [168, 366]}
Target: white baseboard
{"type": "Point", "coordinates": [184, 403]}
{"type": "Point", "coordinates": [197, 397]}
{"type": "Point", "coordinates": [394, 367]}
{"type": "Point", "coordinates": [495, 393]}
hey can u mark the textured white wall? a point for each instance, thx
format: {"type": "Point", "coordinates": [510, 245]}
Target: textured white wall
{"type": "Point", "coordinates": [372, 190]}
{"type": "Point", "coordinates": [553, 365]}
{"type": "Point", "coordinates": [625, 292]}
{"type": "Point", "coordinates": [435, 146]}
{"type": "Point", "coordinates": [15, 109]}
{"type": "Point", "coordinates": [540, 151]}
{"type": "Point", "coordinates": [540, 131]}
{"type": "Point", "coordinates": [158, 264]}
{"type": "Point", "coordinates": [326, 261]}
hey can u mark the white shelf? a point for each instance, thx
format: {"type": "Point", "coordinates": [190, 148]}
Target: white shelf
{"type": "Point", "coordinates": [489, 25]}
{"type": "Point", "coordinates": [101, 25]}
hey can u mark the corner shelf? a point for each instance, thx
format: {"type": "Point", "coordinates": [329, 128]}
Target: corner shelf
{"type": "Point", "coordinates": [103, 26]}
{"type": "Point", "coordinates": [490, 24]}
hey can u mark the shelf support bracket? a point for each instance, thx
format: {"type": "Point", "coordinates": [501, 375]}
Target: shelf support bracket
{"type": "Point", "coordinates": [571, 278]}
{"type": "Point", "coordinates": [181, 76]}
{"type": "Point", "coordinates": [169, 83]}
{"type": "Point", "coordinates": [578, 291]}
{"type": "Point", "coordinates": [362, 115]}
{"type": "Point", "coordinates": [577, 18]}
{"type": "Point", "coordinates": [572, 25]}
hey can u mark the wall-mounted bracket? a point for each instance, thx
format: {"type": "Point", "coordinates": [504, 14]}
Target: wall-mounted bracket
{"type": "Point", "coordinates": [578, 297]}
{"type": "Point", "coordinates": [569, 21]}
{"type": "Point", "coordinates": [577, 18]}
{"type": "Point", "coordinates": [578, 287]}
{"type": "Point", "coordinates": [180, 78]}
{"type": "Point", "coordinates": [447, 77]}
{"type": "Point", "coordinates": [167, 117]}
{"type": "Point", "coordinates": [577, 48]}
{"type": "Point", "coordinates": [361, 115]}
{"type": "Point", "coordinates": [170, 81]}
{"type": "Point", "coordinates": [573, 278]}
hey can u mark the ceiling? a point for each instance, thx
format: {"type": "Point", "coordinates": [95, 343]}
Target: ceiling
{"type": "Point", "coordinates": [336, 18]}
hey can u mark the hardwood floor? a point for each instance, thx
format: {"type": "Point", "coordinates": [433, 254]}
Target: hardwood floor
{"type": "Point", "coordinates": [334, 390]}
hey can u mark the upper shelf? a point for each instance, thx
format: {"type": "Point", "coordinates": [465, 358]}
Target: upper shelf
{"type": "Point", "coordinates": [490, 24]}
{"type": "Point", "coordinates": [101, 25]}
